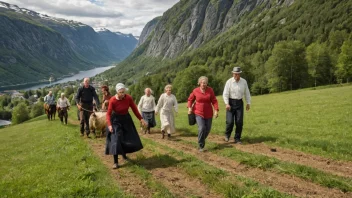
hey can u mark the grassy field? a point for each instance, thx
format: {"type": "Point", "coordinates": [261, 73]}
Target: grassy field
{"type": "Point", "coordinates": [43, 158]}
{"type": "Point", "coordinates": [46, 159]}
{"type": "Point", "coordinates": [313, 121]}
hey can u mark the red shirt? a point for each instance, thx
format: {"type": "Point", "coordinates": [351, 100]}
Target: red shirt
{"type": "Point", "coordinates": [204, 102]}
{"type": "Point", "coordinates": [121, 107]}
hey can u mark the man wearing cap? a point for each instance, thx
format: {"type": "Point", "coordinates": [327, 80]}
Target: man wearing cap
{"type": "Point", "coordinates": [63, 105]}
{"type": "Point", "coordinates": [84, 101]}
{"type": "Point", "coordinates": [235, 89]}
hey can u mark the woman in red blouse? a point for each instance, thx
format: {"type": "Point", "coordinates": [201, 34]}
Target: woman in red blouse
{"type": "Point", "coordinates": [205, 100]}
{"type": "Point", "coordinates": [122, 135]}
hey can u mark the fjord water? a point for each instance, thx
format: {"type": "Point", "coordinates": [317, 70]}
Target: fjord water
{"type": "Point", "coordinates": [79, 76]}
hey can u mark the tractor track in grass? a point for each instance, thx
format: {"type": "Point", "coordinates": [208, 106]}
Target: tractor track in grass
{"type": "Point", "coordinates": [128, 181]}
{"type": "Point", "coordinates": [340, 168]}
{"type": "Point", "coordinates": [281, 182]}
{"type": "Point", "coordinates": [174, 178]}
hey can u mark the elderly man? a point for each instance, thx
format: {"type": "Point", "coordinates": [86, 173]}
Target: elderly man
{"type": "Point", "coordinates": [49, 103]}
{"type": "Point", "coordinates": [84, 101]}
{"type": "Point", "coordinates": [235, 89]}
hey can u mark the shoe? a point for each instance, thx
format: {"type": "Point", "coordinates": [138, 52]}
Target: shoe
{"type": "Point", "coordinates": [162, 134]}
{"type": "Point", "coordinates": [82, 134]}
{"type": "Point", "coordinates": [168, 135]}
{"type": "Point", "coordinates": [201, 150]}
{"type": "Point", "coordinates": [115, 166]}
{"type": "Point", "coordinates": [126, 158]}
{"type": "Point", "coordinates": [226, 139]}
{"type": "Point", "coordinates": [238, 142]}
{"type": "Point", "coordinates": [148, 131]}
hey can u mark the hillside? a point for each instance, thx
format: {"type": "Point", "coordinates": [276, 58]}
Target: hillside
{"type": "Point", "coordinates": [34, 46]}
{"type": "Point", "coordinates": [281, 45]}
{"type": "Point", "coordinates": [290, 149]}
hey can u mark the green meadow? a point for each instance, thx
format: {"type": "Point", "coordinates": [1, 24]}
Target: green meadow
{"type": "Point", "coordinates": [42, 158]}
{"type": "Point", "coordinates": [46, 159]}
{"type": "Point", "coordinates": [316, 121]}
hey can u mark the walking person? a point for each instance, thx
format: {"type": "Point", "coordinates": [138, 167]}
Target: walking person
{"type": "Point", "coordinates": [146, 107]}
{"type": "Point", "coordinates": [235, 89]}
{"type": "Point", "coordinates": [205, 100]}
{"type": "Point", "coordinates": [84, 101]}
{"type": "Point", "coordinates": [167, 104]}
{"type": "Point", "coordinates": [106, 97]}
{"type": "Point", "coordinates": [50, 105]}
{"type": "Point", "coordinates": [63, 105]}
{"type": "Point", "coordinates": [122, 135]}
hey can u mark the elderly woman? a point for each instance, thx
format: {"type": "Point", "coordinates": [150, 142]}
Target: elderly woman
{"type": "Point", "coordinates": [63, 105]}
{"type": "Point", "coordinates": [122, 135]}
{"type": "Point", "coordinates": [167, 104]}
{"type": "Point", "coordinates": [205, 101]}
{"type": "Point", "coordinates": [106, 97]}
{"type": "Point", "coordinates": [146, 106]}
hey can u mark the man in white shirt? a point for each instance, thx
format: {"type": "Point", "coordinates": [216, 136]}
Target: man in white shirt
{"type": "Point", "coordinates": [235, 89]}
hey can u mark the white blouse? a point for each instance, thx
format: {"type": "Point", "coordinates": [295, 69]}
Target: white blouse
{"type": "Point", "coordinates": [167, 103]}
{"type": "Point", "coordinates": [146, 104]}
{"type": "Point", "coordinates": [63, 102]}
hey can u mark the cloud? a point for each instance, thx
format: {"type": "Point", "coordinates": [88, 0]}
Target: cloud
{"type": "Point", "coordinates": [126, 16]}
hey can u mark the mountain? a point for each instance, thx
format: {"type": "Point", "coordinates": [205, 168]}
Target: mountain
{"type": "Point", "coordinates": [121, 45]}
{"type": "Point", "coordinates": [281, 45]}
{"type": "Point", "coordinates": [34, 46]}
{"type": "Point", "coordinates": [147, 30]}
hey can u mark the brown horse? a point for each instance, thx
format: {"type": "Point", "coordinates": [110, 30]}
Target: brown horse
{"type": "Point", "coordinates": [62, 113]}
{"type": "Point", "coordinates": [50, 110]}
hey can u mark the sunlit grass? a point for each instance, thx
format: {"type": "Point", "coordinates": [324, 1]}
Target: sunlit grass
{"type": "Point", "coordinates": [44, 158]}
{"type": "Point", "coordinates": [316, 121]}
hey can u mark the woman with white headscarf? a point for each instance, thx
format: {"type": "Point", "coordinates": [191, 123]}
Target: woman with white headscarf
{"type": "Point", "coordinates": [167, 104]}
{"type": "Point", "coordinates": [122, 135]}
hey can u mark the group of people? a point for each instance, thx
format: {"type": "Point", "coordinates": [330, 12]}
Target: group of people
{"type": "Point", "coordinates": [62, 105]}
{"type": "Point", "coordinates": [122, 136]}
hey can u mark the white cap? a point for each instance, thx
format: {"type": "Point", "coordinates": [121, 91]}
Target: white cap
{"type": "Point", "coordinates": [120, 86]}
{"type": "Point", "coordinates": [62, 94]}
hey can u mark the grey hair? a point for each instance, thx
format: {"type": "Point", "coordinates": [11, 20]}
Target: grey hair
{"type": "Point", "coordinates": [202, 78]}
{"type": "Point", "coordinates": [151, 91]}
{"type": "Point", "coordinates": [168, 86]}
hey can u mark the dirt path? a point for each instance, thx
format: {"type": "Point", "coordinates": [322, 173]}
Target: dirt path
{"type": "Point", "coordinates": [128, 181]}
{"type": "Point", "coordinates": [174, 178]}
{"type": "Point", "coordinates": [283, 183]}
{"type": "Point", "coordinates": [335, 167]}
{"type": "Point", "coordinates": [177, 182]}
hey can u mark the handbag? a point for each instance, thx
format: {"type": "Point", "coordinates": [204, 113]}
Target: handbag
{"type": "Point", "coordinates": [191, 119]}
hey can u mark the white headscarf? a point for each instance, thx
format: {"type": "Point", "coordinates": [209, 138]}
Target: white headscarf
{"type": "Point", "coordinates": [120, 86]}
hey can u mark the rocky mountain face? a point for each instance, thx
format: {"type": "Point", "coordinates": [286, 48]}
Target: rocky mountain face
{"type": "Point", "coordinates": [121, 45]}
{"type": "Point", "coordinates": [34, 46]}
{"type": "Point", "coordinates": [191, 23]}
{"type": "Point", "coordinates": [147, 30]}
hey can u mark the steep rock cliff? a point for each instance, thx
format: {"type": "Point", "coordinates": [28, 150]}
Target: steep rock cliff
{"type": "Point", "coordinates": [191, 23]}
{"type": "Point", "coordinates": [147, 30]}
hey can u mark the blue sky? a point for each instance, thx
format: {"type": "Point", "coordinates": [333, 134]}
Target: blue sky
{"type": "Point", "coordinates": [126, 16]}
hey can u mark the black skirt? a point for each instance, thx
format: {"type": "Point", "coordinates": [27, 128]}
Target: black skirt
{"type": "Point", "coordinates": [149, 117]}
{"type": "Point", "coordinates": [124, 138]}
